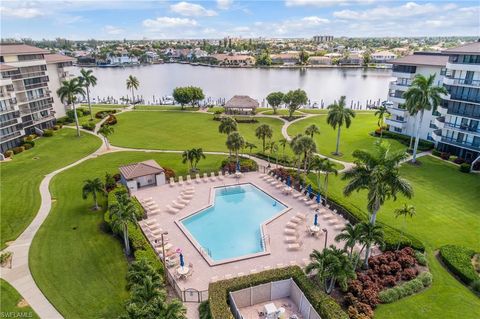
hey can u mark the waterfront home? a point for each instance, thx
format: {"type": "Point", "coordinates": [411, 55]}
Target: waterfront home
{"type": "Point", "coordinates": [234, 60]}
{"type": "Point", "coordinates": [122, 57]}
{"type": "Point", "coordinates": [319, 60]}
{"type": "Point", "coordinates": [383, 56]}
{"type": "Point", "coordinates": [241, 104]}
{"type": "Point", "coordinates": [286, 58]}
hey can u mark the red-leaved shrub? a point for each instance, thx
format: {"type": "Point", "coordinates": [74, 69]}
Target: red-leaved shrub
{"type": "Point", "coordinates": [409, 274]}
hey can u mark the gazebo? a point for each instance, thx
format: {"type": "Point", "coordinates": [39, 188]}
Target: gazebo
{"type": "Point", "coordinates": [241, 104]}
{"type": "Point", "coordinates": [138, 175]}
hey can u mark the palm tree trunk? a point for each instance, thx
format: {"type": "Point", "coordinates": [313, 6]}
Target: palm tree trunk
{"type": "Point", "coordinates": [125, 239]}
{"type": "Point", "coordinates": [326, 187]}
{"type": "Point", "coordinates": [381, 130]}
{"type": "Point", "coordinates": [413, 132]}
{"type": "Point", "coordinates": [89, 104]}
{"type": "Point", "coordinates": [338, 141]}
{"type": "Point", "coordinates": [106, 142]}
{"type": "Point", "coordinates": [332, 284]}
{"type": "Point", "coordinates": [417, 139]}
{"type": "Point", "coordinates": [367, 254]}
{"type": "Point", "coordinates": [133, 97]}
{"type": "Point", "coordinates": [76, 118]}
{"type": "Point", "coordinates": [263, 145]}
{"type": "Point", "coordinates": [95, 199]}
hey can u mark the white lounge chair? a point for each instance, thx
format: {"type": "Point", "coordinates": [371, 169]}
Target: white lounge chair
{"type": "Point", "coordinates": [178, 205]}
{"type": "Point", "coordinates": [154, 212]}
{"type": "Point", "coordinates": [182, 201]}
{"type": "Point", "coordinates": [289, 231]}
{"type": "Point", "coordinates": [220, 176]}
{"type": "Point", "coordinates": [297, 195]}
{"type": "Point", "coordinates": [294, 246]}
{"type": "Point", "coordinates": [171, 209]}
{"type": "Point", "coordinates": [296, 220]}
{"type": "Point", "coordinates": [189, 179]}
{"type": "Point", "coordinates": [146, 200]}
{"type": "Point", "coordinates": [212, 176]}
{"type": "Point", "coordinates": [197, 178]}
{"type": "Point", "coordinates": [152, 206]}
{"type": "Point", "coordinates": [172, 181]}
{"type": "Point", "coordinates": [187, 196]}
{"type": "Point", "coordinates": [301, 215]}
{"type": "Point", "coordinates": [291, 239]}
{"type": "Point", "coordinates": [180, 180]}
{"type": "Point", "coordinates": [291, 225]}
{"type": "Point", "coordinates": [205, 177]}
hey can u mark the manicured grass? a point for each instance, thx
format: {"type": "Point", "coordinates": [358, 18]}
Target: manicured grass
{"type": "Point", "coordinates": [282, 112]}
{"type": "Point", "coordinates": [356, 137]}
{"type": "Point", "coordinates": [80, 268]}
{"type": "Point", "coordinates": [180, 130]}
{"type": "Point", "coordinates": [9, 299]}
{"type": "Point", "coordinates": [106, 106]}
{"type": "Point", "coordinates": [446, 202]}
{"type": "Point", "coordinates": [314, 111]}
{"type": "Point", "coordinates": [21, 176]}
{"type": "Point", "coordinates": [165, 107]}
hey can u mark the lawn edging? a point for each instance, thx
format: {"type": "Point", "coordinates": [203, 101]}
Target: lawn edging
{"type": "Point", "coordinates": [457, 260]}
{"type": "Point", "coordinates": [325, 305]}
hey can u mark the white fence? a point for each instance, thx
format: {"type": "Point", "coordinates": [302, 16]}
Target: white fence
{"type": "Point", "coordinates": [272, 291]}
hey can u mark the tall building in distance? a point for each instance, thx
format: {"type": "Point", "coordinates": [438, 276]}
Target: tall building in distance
{"type": "Point", "coordinates": [27, 92]}
{"type": "Point", "coordinates": [405, 69]}
{"type": "Point", "coordinates": [322, 38]}
{"type": "Point", "coordinates": [458, 126]}
{"type": "Point", "coordinates": [59, 68]}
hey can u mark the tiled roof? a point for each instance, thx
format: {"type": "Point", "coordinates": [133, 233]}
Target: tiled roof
{"type": "Point", "coordinates": [6, 67]}
{"type": "Point", "coordinates": [58, 58]}
{"type": "Point", "coordinates": [145, 168]}
{"type": "Point", "coordinates": [20, 49]}
{"type": "Point", "coordinates": [422, 59]}
{"type": "Point", "coordinates": [466, 48]}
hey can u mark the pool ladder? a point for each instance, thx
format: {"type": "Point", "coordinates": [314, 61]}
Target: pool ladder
{"type": "Point", "coordinates": [206, 251]}
{"type": "Point", "coordinates": [264, 240]}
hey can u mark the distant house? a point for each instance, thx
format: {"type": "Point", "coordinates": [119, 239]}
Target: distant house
{"type": "Point", "coordinates": [143, 174]}
{"type": "Point", "coordinates": [285, 58]}
{"type": "Point", "coordinates": [234, 60]}
{"type": "Point", "coordinates": [241, 104]}
{"type": "Point", "coordinates": [319, 60]}
{"type": "Point", "coordinates": [122, 57]}
{"type": "Point", "coordinates": [383, 56]}
{"type": "Point", "coordinates": [353, 59]}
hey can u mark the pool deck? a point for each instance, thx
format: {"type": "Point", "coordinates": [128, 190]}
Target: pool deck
{"type": "Point", "coordinates": [279, 255]}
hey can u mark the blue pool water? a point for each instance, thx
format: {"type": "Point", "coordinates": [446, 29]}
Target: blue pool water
{"type": "Point", "coordinates": [231, 227]}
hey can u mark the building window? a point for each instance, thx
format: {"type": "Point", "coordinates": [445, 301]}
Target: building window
{"type": "Point", "coordinates": [397, 129]}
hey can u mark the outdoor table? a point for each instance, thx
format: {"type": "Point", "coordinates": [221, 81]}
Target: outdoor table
{"type": "Point", "coordinates": [287, 190]}
{"type": "Point", "coordinates": [314, 229]}
{"type": "Point", "coordinates": [182, 271]}
{"type": "Point", "coordinates": [271, 310]}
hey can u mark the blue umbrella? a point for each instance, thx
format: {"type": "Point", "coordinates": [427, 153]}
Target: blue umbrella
{"type": "Point", "coordinates": [319, 198]}
{"type": "Point", "coordinates": [289, 182]}
{"type": "Point", "coordinates": [315, 220]}
{"type": "Point", "coordinates": [182, 262]}
{"type": "Point", "coordinates": [238, 166]}
{"type": "Point", "coordinates": [309, 190]}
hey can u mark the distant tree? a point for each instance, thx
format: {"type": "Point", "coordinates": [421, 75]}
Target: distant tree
{"type": "Point", "coordinates": [367, 58]}
{"type": "Point", "coordinates": [303, 56]}
{"type": "Point", "coordinates": [272, 147]}
{"type": "Point", "coordinates": [250, 146]}
{"type": "Point", "coordinates": [263, 59]}
{"type": "Point", "coordinates": [88, 79]}
{"type": "Point", "coordinates": [275, 99]}
{"type": "Point", "coordinates": [263, 132]}
{"type": "Point", "coordinates": [93, 187]}
{"type": "Point", "coordinates": [182, 95]}
{"type": "Point", "coordinates": [312, 130]}
{"type": "Point", "coordinates": [339, 114]}
{"type": "Point", "coordinates": [294, 100]}
{"type": "Point", "coordinates": [132, 84]}
{"type": "Point", "coordinates": [187, 157]}
{"type": "Point", "coordinates": [68, 94]}
{"type": "Point", "coordinates": [196, 95]}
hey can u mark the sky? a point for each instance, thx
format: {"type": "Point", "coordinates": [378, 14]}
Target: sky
{"type": "Point", "coordinates": [155, 19]}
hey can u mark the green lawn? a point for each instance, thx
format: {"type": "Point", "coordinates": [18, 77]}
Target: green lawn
{"type": "Point", "coordinates": [447, 204]}
{"type": "Point", "coordinates": [356, 137]}
{"type": "Point", "coordinates": [180, 130]}
{"type": "Point", "coordinates": [9, 299]}
{"type": "Point", "coordinates": [21, 177]}
{"type": "Point", "coordinates": [165, 107]}
{"type": "Point", "coordinates": [106, 106]}
{"type": "Point", "coordinates": [283, 112]}
{"type": "Point", "coordinates": [80, 268]}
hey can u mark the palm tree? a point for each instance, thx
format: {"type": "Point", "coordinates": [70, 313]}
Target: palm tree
{"type": "Point", "coordinates": [307, 146]}
{"type": "Point", "coordinates": [250, 146]}
{"type": "Point", "coordinates": [351, 236]}
{"type": "Point", "coordinates": [132, 84]}
{"type": "Point", "coordinates": [381, 113]}
{"type": "Point", "coordinates": [422, 95]}
{"type": "Point", "coordinates": [147, 290]}
{"type": "Point", "coordinates": [137, 270]}
{"type": "Point", "coordinates": [122, 213]}
{"type": "Point", "coordinates": [378, 173]}
{"type": "Point", "coordinates": [227, 125]}
{"type": "Point", "coordinates": [197, 156]}
{"type": "Point", "coordinates": [235, 142]}
{"type": "Point", "coordinates": [68, 94]}
{"type": "Point", "coordinates": [283, 142]}
{"type": "Point", "coordinates": [328, 167]}
{"type": "Point", "coordinates": [105, 131]}
{"type": "Point", "coordinates": [273, 149]}
{"type": "Point", "coordinates": [370, 235]}
{"type": "Point", "coordinates": [339, 114]}
{"type": "Point", "coordinates": [263, 132]}
{"type": "Point", "coordinates": [93, 187]}
{"type": "Point", "coordinates": [187, 156]}
{"type": "Point", "coordinates": [405, 211]}
{"type": "Point", "coordinates": [312, 130]}
{"type": "Point", "coordinates": [88, 79]}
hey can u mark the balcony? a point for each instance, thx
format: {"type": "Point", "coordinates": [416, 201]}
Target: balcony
{"type": "Point", "coordinates": [463, 128]}
{"type": "Point", "coordinates": [439, 122]}
{"type": "Point", "coordinates": [399, 85]}
{"type": "Point", "coordinates": [396, 123]}
{"type": "Point", "coordinates": [11, 136]}
{"type": "Point", "coordinates": [397, 111]}
{"type": "Point", "coordinates": [9, 123]}
{"type": "Point", "coordinates": [28, 75]}
{"type": "Point", "coordinates": [462, 144]}
{"type": "Point", "coordinates": [460, 81]}
{"type": "Point", "coordinates": [8, 109]}
{"type": "Point", "coordinates": [437, 135]}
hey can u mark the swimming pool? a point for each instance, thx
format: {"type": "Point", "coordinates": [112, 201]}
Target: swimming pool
{"type": "Point", "coordinates": [231, 228]}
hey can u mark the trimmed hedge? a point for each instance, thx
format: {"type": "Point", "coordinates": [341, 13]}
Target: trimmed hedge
{"type": "Point", "coordinates": [139, 244]}
{"type": "Point", "coordinates": [423, 145]}
{"type": "Point", "coordinates": [458, 260]}
{"type": "Point", "coordinates": [273, 161]}
{"type": "Point", "coordinates": [90, 126]}
{"type": "Point", "coordinates": [325, 305]}
{"type": "Point", "coordinates": [464, 168]}
{"type": "Point", "coordinates": [204, 310]}
{"type": "Point", "coordinates": [406, 289]}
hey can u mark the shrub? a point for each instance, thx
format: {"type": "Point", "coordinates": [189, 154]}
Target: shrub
{"type": "Point", "coordinates": [325, 305]}
{"type": "Point", "coordinates": [71, 114]}
{"type": "Point", "coordinates": [421, 259]}
{"type": "Point", "coordinates": [27, 146]}
{"type": "Point", "coordinates": [246, 165]}
{"type": "Point", "coordinates": [409, 274]}
{"type": "Point", "coordinates": [48, 133]}
{"type": "Point", "coordinates": [406, 289]}
{"type": "Point", "coordinates": [458, 261]}
{"type": "Point", "coordinates": [105, 113]}
{"type": "Point", "coordinates": [56, 127]}
{"type": "Point", "coordinates": [204, 310]}
{"type": "Point", "coordinates": [423, 145]}
{"type": "Point", "coordinates": [476, 285]}
{"type": "Point", "coordinates": [459, 160]}
{"type": "Point", "coordinates": [426, 278]}
{"type": "Point", "coordinates": [29, 138]}
{"type": "Point", "coordinates": [111, 120]}
{"type": "Point", "coordinates": [436, 153]}
{"type": "Point", "coordinates": [389, 295]}
{"type": "Point", "coordinates": [8, 153]}
{"type": "Point", "coordinates": [18, 149]}
{"type": "Point", "coordinates": [445, 156]}
{"type": "Point", "coordinates": [90, 126]}
{"type": "Point", "coordinates": [64, 120]}
{"type": "Point", "coordinates": [464, 168]}
{"type": "Point", "coordinates": [168, 173]}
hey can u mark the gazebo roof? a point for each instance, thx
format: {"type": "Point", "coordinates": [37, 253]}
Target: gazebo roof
{"type": "Point", "coordinates": [145, 168]}
{"type": "Point", "coordinates": [242, 102]}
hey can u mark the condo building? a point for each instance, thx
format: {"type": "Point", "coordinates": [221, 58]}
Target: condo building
{"type": "Point", "coordinates": [28, 84]}
{"type": "Point", "coordinates": [458, 126]}
{"type": "Point", "coordinates": [405, 69]}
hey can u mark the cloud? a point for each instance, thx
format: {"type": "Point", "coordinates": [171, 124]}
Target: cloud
{"type": "Point", "coordinates": [112, 30]}
{"type": "Point", "coordinates": [324, 3]}
{"type": "Point", "coordinates": [161, 23]}
{"type": "Point", "coordinates": [224, 4]}
{"type": "Point", "coordinates": [191, 10]}
{"type": "Point", "coordinates": [22, 12]}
